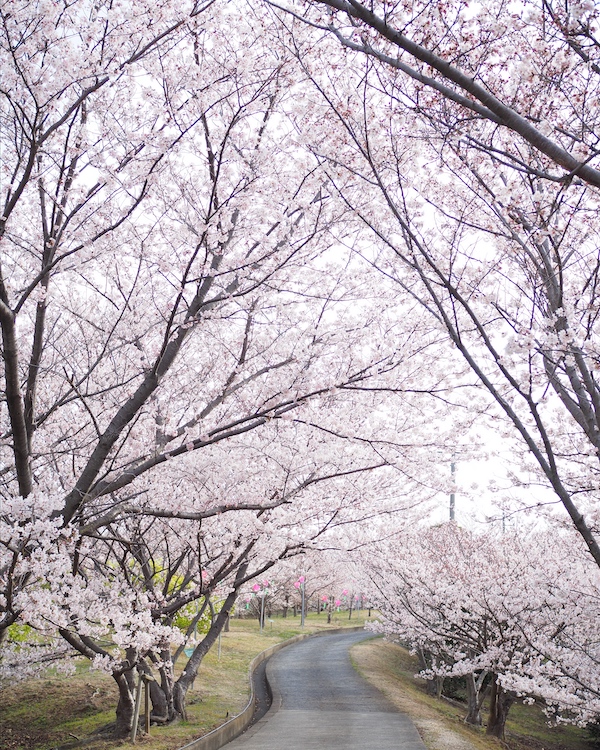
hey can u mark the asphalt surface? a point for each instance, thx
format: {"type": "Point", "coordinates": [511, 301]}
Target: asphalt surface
{"type": "Point", "coordinates": [319, 701]}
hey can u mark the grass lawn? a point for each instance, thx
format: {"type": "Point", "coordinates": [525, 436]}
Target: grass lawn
{"type": "Point", "coordinates": [56, 712]}
{"type": "Point", "coordinates": [440, 722]}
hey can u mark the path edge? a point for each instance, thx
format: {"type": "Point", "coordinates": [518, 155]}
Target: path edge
{"type": "Point", "coordinates": [220, 736]}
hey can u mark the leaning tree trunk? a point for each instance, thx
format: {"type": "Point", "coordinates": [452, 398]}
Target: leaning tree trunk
{"type": "Point", "coordinates": [122, 675]}
{"type": "Point", "coordinates": [500, 703]}
{"type": "Point", "coordinates": [190, 672]}
{"type": "Point", "coordinates": [168, 695]}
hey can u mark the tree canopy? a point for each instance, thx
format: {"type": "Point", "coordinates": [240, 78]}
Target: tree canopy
{"type": "Point", "coordinates": [262, 265]}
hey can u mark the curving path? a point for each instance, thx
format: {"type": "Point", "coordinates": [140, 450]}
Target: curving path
{"type": "Point", "coordinates": [319, 701]}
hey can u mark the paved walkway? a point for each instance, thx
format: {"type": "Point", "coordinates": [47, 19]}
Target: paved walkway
{"type": "Point", "coordinates": [320, 702]}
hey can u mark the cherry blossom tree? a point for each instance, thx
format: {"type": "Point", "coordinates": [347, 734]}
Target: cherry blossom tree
{"type": "Point", "coordinates": [136, 576]}
{"type": "Point", "coordinates": [227, 550]}
{"type": "Point", "coordinates": [512, 613]}
{"type": "Point", "coordinates": [174, 281]}
{"type": "Point", "coordinates": [463, 139]}
{"type": "Point", "coordinates": [324, 574]}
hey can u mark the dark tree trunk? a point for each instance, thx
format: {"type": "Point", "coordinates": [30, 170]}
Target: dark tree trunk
{"type": "Point", "coordinates": [161, 694]}
{"type": "Point", "coordinates": [168, 696]}
{"type": "Point", "coordinates": [159, 698]}
{"type": "Point", "coordinates": [188, 676]}
{"type": "Point", "coordinates": [126, 705]}
{"type": "Point", "coordinates": [500, 703]}
{"type": "Point", "coordinates": [190, 672]}
{"type": "Point", "coordinates": [434, 685]}
{"type": "Point", "coordinates": [124, 676]}
{"type": "Point", "coordinates": [474, 714]}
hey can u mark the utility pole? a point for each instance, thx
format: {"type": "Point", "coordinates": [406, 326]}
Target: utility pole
{"type": "Point", "coordinates": [452, 496]}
